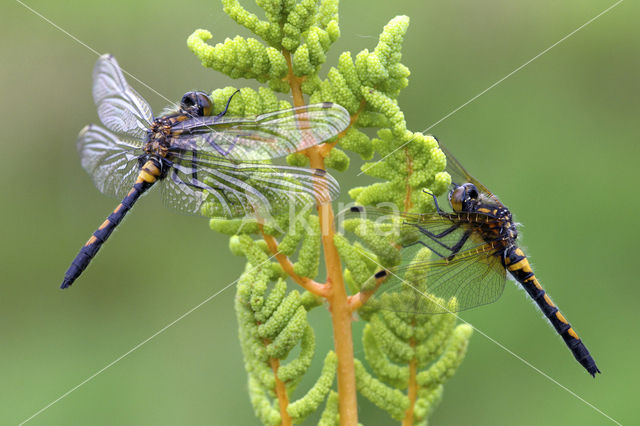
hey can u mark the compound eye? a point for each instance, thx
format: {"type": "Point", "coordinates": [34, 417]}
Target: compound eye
{"type": "Point", "coordinates": [472, 192]}
{"type": "Point", "coordinates": [456, 198]}
{"type": "Point", "coordinates": [188, 100]}
{"type": "Point", "coordinates": [197, 104]}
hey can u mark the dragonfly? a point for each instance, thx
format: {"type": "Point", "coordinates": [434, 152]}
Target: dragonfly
{"type": "Point", "coordinates": [200, 161]}
{"type": "Point", "coordinates": [453, 261]}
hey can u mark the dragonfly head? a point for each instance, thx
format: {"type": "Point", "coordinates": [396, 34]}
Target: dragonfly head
{"type": "Point", "coordinates": [463, 197]}
{"type": "Point", "coordinates": [196, 104]}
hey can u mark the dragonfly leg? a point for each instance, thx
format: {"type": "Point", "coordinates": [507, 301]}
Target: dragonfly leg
{"type": "Point", "coordinates": [440, 235]}
{"type": "Point", "coordinates": [227, 107]}
{"type": "Point", "coordinates": [456, 248]}
{"type": "Point", "coordinates": [193, 184]}
{"type": "Point", "coordinates": [223, 152]}
{"type": "Point", "coordinates": [435, 200]}
{"type": "Point", "coordinates": [436, 238]}
{"type": "Point", "coordinates": [422, 243]}
{"type": "Point", "coordinates": [194, 170]}
{"type": "Point", "coordinates": [212, 143]}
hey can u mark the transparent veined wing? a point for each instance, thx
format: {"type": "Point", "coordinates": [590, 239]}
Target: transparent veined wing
{"type": "Point", "coordinates": [439, 232]}
{"type": "Point", "coordinates": [427, 284]}
{"type": "Point", "coordinates": [428, 275]}
{"type": "Point", "coordinates": [120, 108]}
{"type": "Point", "coordinates": [111, 162]}
{"type": "Point", "coordinates": [459, 174]}
{"type": "Point", "coordinates": [227, 189]}
{"type": "Point", "coordinates": [266, 136]}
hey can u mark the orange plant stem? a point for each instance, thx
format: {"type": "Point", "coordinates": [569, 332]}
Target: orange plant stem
{"type": "Point", "coordinates": [281, 393]}
{"type": "Point", "coordinates": [328, 146]}
{"type": "Point", "coordinates": [412, 391]}
{"type": "Point", "coordinates": [341, 317]}
{"type": "Point", "coordinates": [360, 298]}
{"type": "Point", "coordinates": [341, 314]}
{"type": "Point", "coordinates": [306, 283]}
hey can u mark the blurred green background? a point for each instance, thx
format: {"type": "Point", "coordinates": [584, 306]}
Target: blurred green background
{"type": "Point", "coordinates": [558, 141]}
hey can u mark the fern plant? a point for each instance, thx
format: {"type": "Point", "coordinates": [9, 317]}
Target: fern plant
{"type": "Point", "coordinates": [406, 358]}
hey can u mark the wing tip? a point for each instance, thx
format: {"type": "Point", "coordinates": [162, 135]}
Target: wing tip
{"type": "Point", "coordinates": [345, 115]}
{"type": "Point", "coordinates": [85, 129]}
{"type": "Point", "coordinates": [336, 108]}
{"type": "Point", "coordinates": [329, 183]}
{"type": "Point", "coordinates": [380, 274]}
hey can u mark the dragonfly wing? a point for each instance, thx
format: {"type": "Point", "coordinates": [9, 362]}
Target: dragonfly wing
{"type": "Point", "coordinates": [266, 136]}
{"type": "Point", "coordinates": [384, 214]}
{"type": "Point", "coordinates": [181, 191]}
{"type": "Point", "coordinates": [427, 286]}
{"type": "Point", "coordinates": [228, 189]}
{"type": "Point", "coordinates": [459, 174]}
{"type": "Point", "coordinates": [120, 108]}
{"type": "Point", "coordinates": [439, 232]}
{"type": "Point", "coordinates": [443, 264]}
{"type": "Point", "coordinates": [111, 162]}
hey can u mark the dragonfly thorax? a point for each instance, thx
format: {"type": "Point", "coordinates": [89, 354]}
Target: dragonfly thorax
{"type": "Point", "coordinates": [466, 198]}
{"type": "Point", "coordinates": [510, 231]}
{"type": "Point", "coordinates": [159, 135]}
{"type": "Point", "coordinates": [157, 143]}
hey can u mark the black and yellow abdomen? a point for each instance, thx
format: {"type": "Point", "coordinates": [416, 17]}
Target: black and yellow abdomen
{"type": "Point", "coordinates": [148, 175]}
{"type": "Point", "coordinates": [517, 264]}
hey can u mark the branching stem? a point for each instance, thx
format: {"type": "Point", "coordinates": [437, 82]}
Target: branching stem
{"type": "Point", "coordinates": [327, 147]}
{"type": "Point", "coordinates": [360, 298]}
{"type": "Point", "coordinates": [334, 292]}
{"type": "Point", "coordinates": [306, 283]}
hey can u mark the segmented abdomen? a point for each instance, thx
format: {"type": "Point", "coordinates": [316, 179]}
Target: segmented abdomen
{"type": "Point", "coordinates": [517, 264]}
{"type": "Point", "coordinates": [147, 177]}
